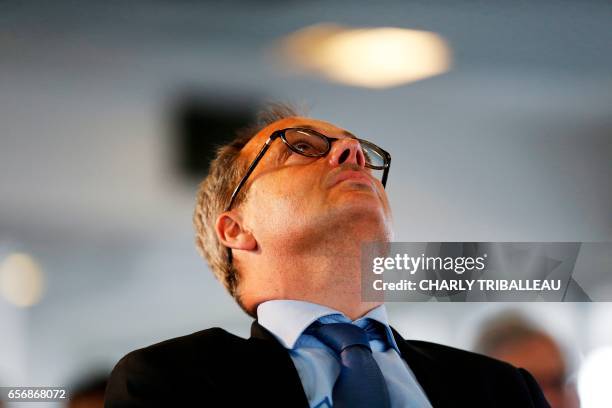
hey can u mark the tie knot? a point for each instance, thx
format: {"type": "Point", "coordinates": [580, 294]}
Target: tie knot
{"type": "Point", "coordinates": [339, 336]}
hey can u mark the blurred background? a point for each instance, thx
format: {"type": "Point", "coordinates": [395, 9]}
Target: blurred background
{"type": "Point", "coordinates": [498, 117]}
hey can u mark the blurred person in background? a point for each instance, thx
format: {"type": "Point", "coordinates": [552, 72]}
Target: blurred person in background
{"type": "Point", "coordinates": [512, 338]}
{"type": "Point", "coordinates": [281, 218]}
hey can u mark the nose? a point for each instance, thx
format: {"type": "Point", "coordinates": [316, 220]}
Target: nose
{"type": "Point", "coordinates": [346, 151]}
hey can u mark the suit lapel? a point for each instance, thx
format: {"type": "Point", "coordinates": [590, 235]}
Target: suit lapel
{"type": "Point", "coordinates": [427, 372]}
{"type": "Point", "coordinates": [281, 377]}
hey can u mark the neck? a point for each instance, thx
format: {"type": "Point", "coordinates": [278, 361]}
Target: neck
{"type": "Point", "coordinates": [326, 271]}
{"type": "Point", "coordinates": [352, 310]}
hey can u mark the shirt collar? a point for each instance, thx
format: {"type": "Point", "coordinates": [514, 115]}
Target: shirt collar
{"type": "Point", "coordinates": [287, 319]}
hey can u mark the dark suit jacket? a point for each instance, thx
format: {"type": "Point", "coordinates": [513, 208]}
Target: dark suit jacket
{"type": "Point", "coordinates": [213, 368]}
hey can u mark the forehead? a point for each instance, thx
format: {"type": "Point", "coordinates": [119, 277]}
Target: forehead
{"type": "Point", "coordinates": [253, 146]}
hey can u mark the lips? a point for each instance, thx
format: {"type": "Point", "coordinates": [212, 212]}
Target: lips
{"type": "Point", "coordinates": [349, 175]}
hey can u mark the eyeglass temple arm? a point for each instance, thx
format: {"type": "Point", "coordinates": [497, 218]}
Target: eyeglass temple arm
{"type": "Point", "coordinates": [386, 171]}
{"type": "Point", "coordinates": [263, 150]}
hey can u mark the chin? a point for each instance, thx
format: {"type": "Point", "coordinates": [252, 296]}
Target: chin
{"type": "Point", "coordinates": [365, 208]}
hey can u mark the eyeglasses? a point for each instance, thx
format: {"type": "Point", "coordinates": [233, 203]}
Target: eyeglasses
{"type": "Point", "coordinates": [310, 143]}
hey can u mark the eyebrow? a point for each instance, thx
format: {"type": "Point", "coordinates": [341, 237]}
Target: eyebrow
{"type": "Point", "coordinates": [344, 132]}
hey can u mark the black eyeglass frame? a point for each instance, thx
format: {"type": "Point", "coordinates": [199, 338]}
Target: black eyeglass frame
{"type": "Point", "coordinates": [281, 133]}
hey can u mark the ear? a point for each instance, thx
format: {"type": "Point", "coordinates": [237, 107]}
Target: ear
{"type": "Point", "coordinates": [231, 232]}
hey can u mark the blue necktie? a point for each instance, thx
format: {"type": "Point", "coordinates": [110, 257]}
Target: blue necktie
{"type": "Point", "coordinates": [361, 383]}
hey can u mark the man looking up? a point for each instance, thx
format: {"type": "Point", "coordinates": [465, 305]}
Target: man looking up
{"type": "Point", "coordinates": [281, 218]}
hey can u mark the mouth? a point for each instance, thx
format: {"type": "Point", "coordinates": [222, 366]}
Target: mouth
{"type": "Point", "coordinates": [350, 175]}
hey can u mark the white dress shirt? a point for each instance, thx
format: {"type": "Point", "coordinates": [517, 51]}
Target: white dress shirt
{"type": "Point", "coordinates": [318, 366]}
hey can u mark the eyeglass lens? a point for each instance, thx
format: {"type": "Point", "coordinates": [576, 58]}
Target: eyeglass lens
{"type": "Point", "coordinates": [314, 145]}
